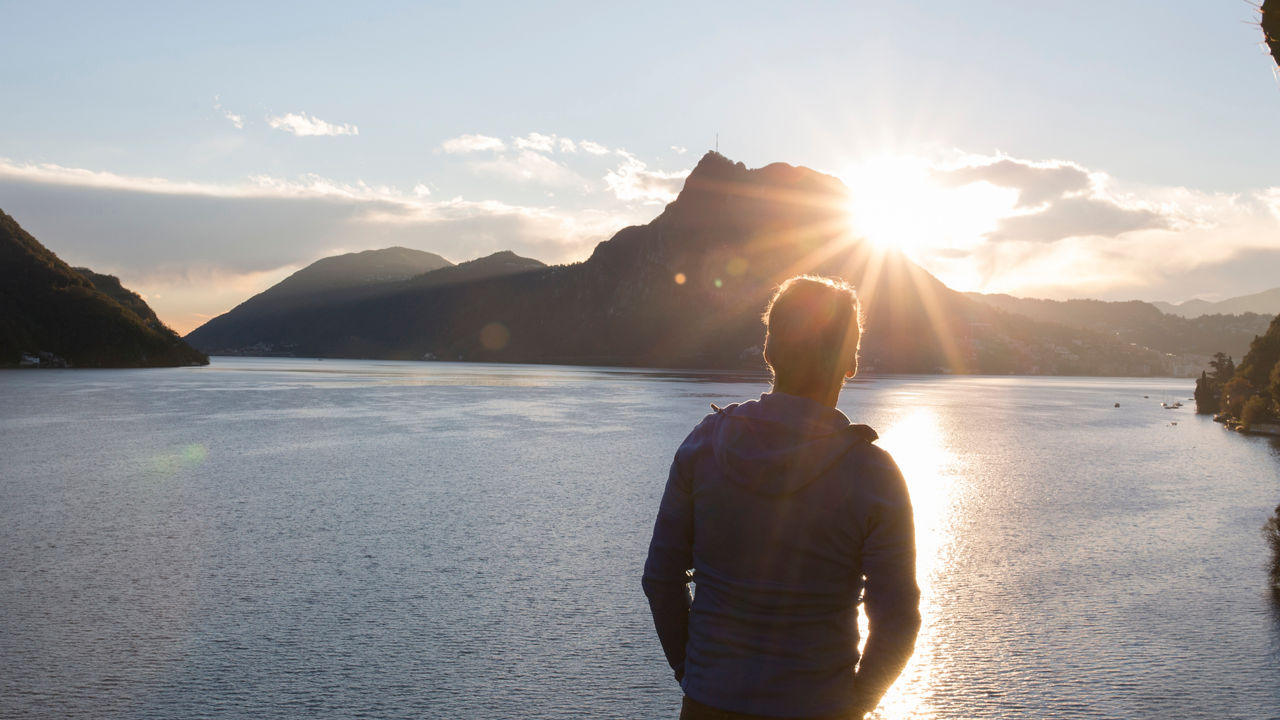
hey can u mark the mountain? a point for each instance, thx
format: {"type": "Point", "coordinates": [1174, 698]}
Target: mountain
{"type": "Point", "coordinates": [1142, 323]}
{"type": "Point", "coordinates": [1266, 302]}
{"type": "Point", "coordinates": [268, 322]}
{"type": "Point", "coordinates": [686, 290]}
{"type": "Point", "coordinates": [110, 286]}
{"type": "Point", "coordinates": [78, 318]}
{"type": "Point", "coordinates": [343, 276]}
{"type": "Point", "coordinates": [371, 267]}
{"type": "Point", "coordinates": [496, 265]}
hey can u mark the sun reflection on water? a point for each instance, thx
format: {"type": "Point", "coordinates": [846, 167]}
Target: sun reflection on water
{"type": "Point", "coordinates": [932, 471]}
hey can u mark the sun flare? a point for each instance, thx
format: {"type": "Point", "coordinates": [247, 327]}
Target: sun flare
{"type": "Point", "coordinates": [897, 203]}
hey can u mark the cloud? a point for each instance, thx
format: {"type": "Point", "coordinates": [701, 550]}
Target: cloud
{"type": "Point", "coordinates": [179, 239]}
{"type": "Point", "coordinates": [1271, 196]}
{"type": "Point", "coordinates": [1059, 229]}
{"type": "Point", "coordinates": [1077, 217]}
{"type": "Point", "coordinates": [530, 166]}
{"type": "Point", "coordinates": [632, 180]}
{"type": "Point", "coordinates": [189, 242]}
{"type": "Point", "coordinates": [472, 143]}
{"type": "Point", "coordinates": [537, 142]}
{"type": "Point", "coordinates": [1058, 200]}
{"type": "Point", "coordinates": [51, 174]}
{"type": "Point", "coordinates": [304, 125]}
{"type": "Point", "coordinates": [1035, 182]}
{"type": "Point", "coordinates": [679, 150]}
{"type": "Point", "coordinates": [533, 142]}
{"type": "Point", "coordinates": [236, 120]}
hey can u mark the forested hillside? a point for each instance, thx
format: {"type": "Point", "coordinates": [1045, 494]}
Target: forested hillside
{"type": "Point", "coordinates": [62, 317]}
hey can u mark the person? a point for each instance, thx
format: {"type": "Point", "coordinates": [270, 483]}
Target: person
{"type": "Point", "coordinates": [782, 514]}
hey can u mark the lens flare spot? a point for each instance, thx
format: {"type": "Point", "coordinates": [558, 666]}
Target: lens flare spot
{"type": "Point", "coordinates": [736, 266]}
{"type": "Point", "coordinates": [194, 454]}
{"type": "Point", "coordinates": [719, 283]}
{"type": "Point", "coordinates": [171, 463]}
{"type": "Point", "coordinates": [494, 336]}
{"type": "Point", "coordinates": [680, 278]}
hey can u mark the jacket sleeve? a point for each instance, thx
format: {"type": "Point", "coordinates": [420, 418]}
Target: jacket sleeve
{"type": "Point", "coordinates": [892, 598]}
{"type": "Point", "coordinates": [666, 571]}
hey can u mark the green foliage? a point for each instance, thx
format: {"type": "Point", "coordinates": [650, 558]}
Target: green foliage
{"type": "Point", "coordinates": [1257, 409]}
{"type": "Point", "coordinates": [1210, 387]}
{"type": "Point", "coordinates": [1253, 385]}
{"type": "Point", "coordinates": [1275, 383]}
{"type": "Point", "coordinates": [1271, 531]}
{"type": "Point", "coordinates": [1264, 353]}
{"type": "Point", "coordinates": [1235, 394]}
{"type": "Point", "coordinates": [1223, 368]}
{"type": "Point", "coordinates": [1208, 394]}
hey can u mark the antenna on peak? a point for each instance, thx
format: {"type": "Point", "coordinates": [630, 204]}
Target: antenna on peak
{"type": "Point", "coordinates": [717, 143]}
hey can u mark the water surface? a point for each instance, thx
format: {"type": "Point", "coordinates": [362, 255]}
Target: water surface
{"type": "Point", "coordinates": [264, 537]}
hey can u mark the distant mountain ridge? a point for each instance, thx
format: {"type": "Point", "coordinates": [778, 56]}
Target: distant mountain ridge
{"type": "Point", "coordinates": [76, 317]}
{"type": "Point", "coordinates": [256, 325]}
{"type": "Point", "coordinates": [369, 267]}
{"type": "Point", "coordinates": [1142, 323]}
{"type": "Point", "coordinates": [685, 290]}
{"type": "Point", "coordinates": [349, 275]}
{"type": "Point", "coordinates": [1266, 302]}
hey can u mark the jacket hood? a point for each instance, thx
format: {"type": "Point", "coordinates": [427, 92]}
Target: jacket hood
{"type": "Point", "coordinates": [781, 443]}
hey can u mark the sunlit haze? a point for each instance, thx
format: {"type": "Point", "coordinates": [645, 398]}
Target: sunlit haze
{"type": "Point", "coordinates": [202, 153]}
{"type": "Point", "coordinates": [896, 203]}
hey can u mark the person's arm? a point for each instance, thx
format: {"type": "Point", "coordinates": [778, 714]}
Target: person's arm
{"type": "Point", "coordinates": [892, 598]}
{"type": "Point", "coordinates": [666, 571]}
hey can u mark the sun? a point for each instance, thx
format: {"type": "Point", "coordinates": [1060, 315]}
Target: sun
{"type": "Point", "coordinates": [886, 199]}
{"type": "Point", "coordinates": [897, 202]}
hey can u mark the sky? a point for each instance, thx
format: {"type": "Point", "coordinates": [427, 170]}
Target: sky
{"type": "Point", "coordinates": [204, 151]}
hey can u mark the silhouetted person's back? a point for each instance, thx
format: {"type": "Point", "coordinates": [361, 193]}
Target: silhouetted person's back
{"type": "Point", "coordinates": [785, 512]}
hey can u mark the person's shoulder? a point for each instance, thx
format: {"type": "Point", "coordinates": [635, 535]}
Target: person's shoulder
{"type": "Point", "coordinates": [868, 458]}
{"type": "Point", "coordinates": [718, 413]}
{"type": "Point", "coordinates": [705, 429]}
{"type": "Point", "coordinates": [873, 454]}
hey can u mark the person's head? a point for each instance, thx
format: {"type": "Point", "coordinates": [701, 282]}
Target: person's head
{"type": "Point", "coordinates": [812, 329]}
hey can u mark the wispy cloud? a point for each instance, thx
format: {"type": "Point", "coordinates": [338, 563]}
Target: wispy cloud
{"type": "Point", "coordinates": [547, 144]}
{"type": "Point", "coordinates": [537, 142]}
{"type": "Point", "coordinates": [234, 119]}
{"type": "Point", "coordinates": [472, 143]}
{"type": "Point", "coordinates": [257, 186]}
{"type": "Point", "coordinates": [173, 239]}
{"type": "Point", "coordinates": [547, 159]}
{"type": "Point", "coordinates": [304, 125]}
{"type": "Point", "coordinates": [1070, 217]}
{"type": "Point", "coordinates": [1035, 182]}
{"type": "Point", "coordinates": [633, 180]}
{"type": "Point", "coordinates": [531, 167]}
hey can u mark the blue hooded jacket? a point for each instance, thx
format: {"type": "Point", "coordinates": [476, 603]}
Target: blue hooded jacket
{"type": "Point", "coordinates": [781, 512]}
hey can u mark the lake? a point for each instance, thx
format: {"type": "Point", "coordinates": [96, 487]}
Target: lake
{"type": "Point", "coordinates": [271, 537]}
